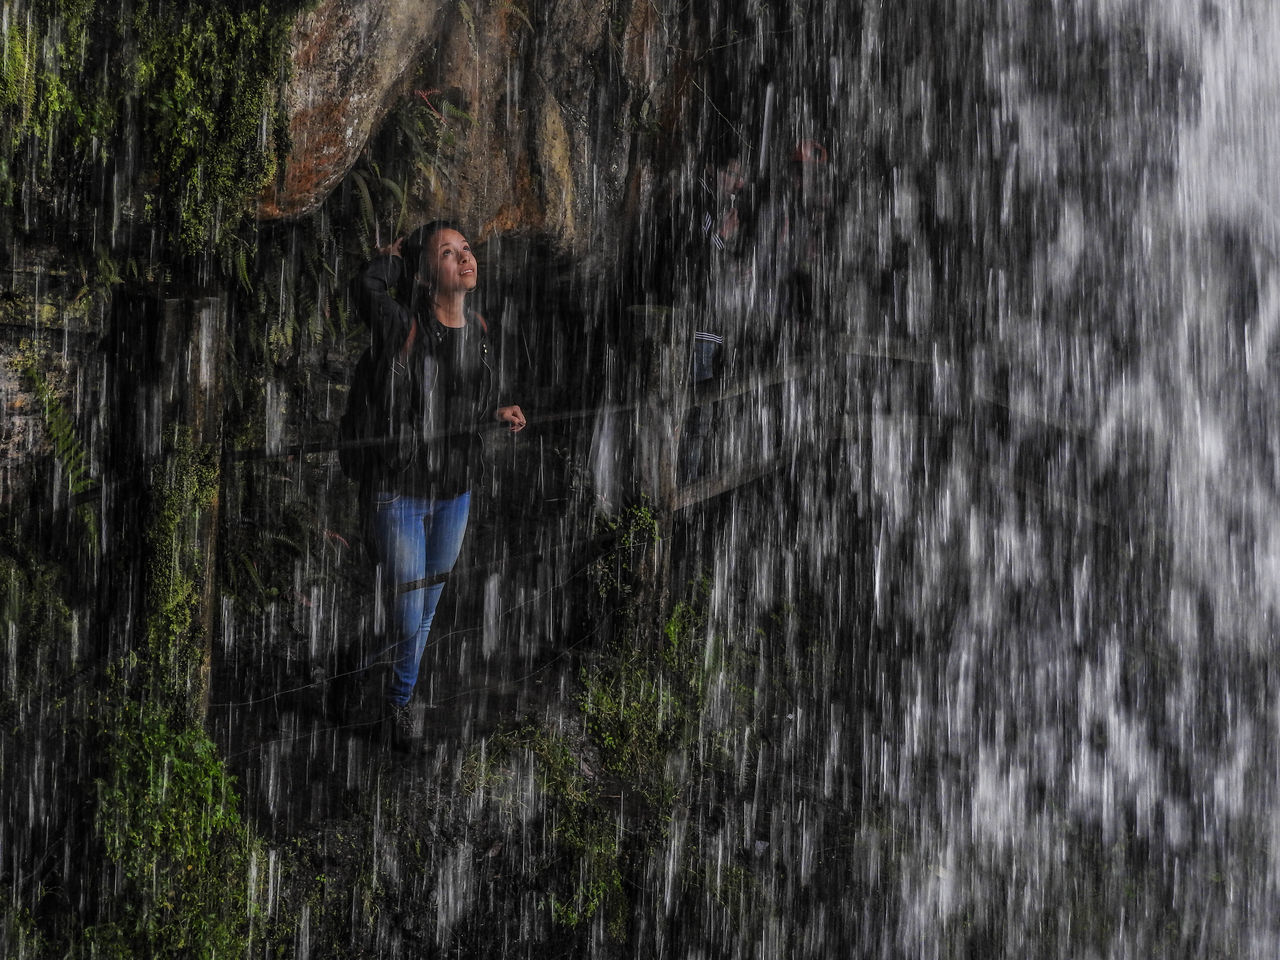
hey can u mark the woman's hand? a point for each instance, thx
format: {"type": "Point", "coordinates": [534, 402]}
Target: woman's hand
{"type": "Point", "coordinates": [392, 249]}
{"type": "Point", "coordinates": [513, 416]}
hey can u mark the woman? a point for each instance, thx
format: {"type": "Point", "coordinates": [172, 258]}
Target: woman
{"type": "Point", "coordinates": [419, 497]}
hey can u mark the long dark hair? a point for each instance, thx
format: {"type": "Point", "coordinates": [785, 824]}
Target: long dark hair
{"type": "Point", "coordinates": [415, 250]}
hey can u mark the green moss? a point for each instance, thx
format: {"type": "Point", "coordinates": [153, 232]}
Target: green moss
{"type": "Point", "coordinates": [167, 814]}
{"type": "Point", "coordinates": [18, 72]}
{"type": "Point", "coordinates": [186, 484]}
{"type": "Point", "coordinates": [583, 875]}
{"type": "Point", "coordinates": [43, 98]}
{"type": "Point", "coordinates": [588, 863]}
{"type": "Point", "coordinates": [635, 532]}
{"type": "Point", "coordinates": [187, 95]}
{"type": "Point", "coordinates": [168, 820]}
{"type": "Point", "coordinates": [207, 82]}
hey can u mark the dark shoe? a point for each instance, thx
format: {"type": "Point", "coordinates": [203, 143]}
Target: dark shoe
{"type": "Point", "coordinates": [400, 729]}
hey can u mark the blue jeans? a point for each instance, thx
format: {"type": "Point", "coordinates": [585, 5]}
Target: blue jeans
{"type": "Point", "coordinates": [415, 539]}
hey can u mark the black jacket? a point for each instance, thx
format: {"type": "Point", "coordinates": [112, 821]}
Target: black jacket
{"type": "Point", "coordinates": [445, 389]}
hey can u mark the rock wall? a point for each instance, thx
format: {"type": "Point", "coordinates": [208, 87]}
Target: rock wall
{"type": "Point", "coordinates": [348, 60]}
{"type": "Point", "coordinates": [537, 114]}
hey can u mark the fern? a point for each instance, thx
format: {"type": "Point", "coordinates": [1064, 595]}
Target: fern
{"type": "Point", "coordinates": [366, 201]}
{"type": "Point", "coordinates": [469, 18]}
{"type": "Point", "coordinates": [519, 13]}
{"type": "Point", "coordinates": [457, 112]}
{"type": "Point", "coordinates": [242, 266]}
{"type": "Point", "coordinates": [67, 448]}
{"type": "Point", "coordinates": [394, 189]}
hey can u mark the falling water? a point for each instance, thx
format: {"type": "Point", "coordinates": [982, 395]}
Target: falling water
{"type": "Point", "coordinates": [954, 639]}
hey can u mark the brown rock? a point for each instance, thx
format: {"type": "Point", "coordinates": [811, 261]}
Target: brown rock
{"type": "Point", "coordinates": [550, 95]}
{"type": "Point", "coordinates": [350, 60]}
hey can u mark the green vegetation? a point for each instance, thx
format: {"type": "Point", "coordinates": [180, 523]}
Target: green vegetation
{"type": "Point", "coordinates": [71, 454]}
{"type": "Point", "coordinates": [138, 135]}
{"type": "Point", "coordinates": [34, 619]}
{"type": "Point", "coordinates": [167, 815]}
{"type": "Point", "coordinates": [169, 823]}
{"type": "Point", "coordinates": [617, 762]}
{"type": "Point", "coordinates": [207, 85]}
{"type": "Point", "coordinates": [300, 309]}
{"type": "Point", "coordinates": [618, 759]}
{"type": "Point", "coordinates": [166, 818]}
{"type": "Point", "coordinates": [184, 99]}
{"type": "Point", "coordinates": [18, 74]}
{"type": "Point", "coordinates": [618, 572]}
{"type": "Point", "coordinates": [641, 701]}
{"type": "Point", "coordinates": [186, 484]}
{"type": "Point", "coordinates": [582, 873]}
{"type": "Point", "coordinates": [418, 148]}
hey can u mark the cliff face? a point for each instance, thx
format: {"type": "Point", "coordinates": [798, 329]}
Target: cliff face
{"type": "Point", "coordinates": [530, 117]}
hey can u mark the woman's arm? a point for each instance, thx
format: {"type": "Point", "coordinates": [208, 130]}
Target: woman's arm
{"type": "Point", "coordinates": [389, 322]}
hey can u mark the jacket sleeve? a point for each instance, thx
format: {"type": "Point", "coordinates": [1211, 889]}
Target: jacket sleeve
{"type": "Point", "coordinates": [389, 322]}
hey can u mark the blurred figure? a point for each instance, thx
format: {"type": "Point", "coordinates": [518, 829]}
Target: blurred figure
{"type": "Point", "coordinates": [722, 221]}
{"type": "Point", "coordinates": [800, 222]}
{"type": "Point", "coordinates": [723, 237]}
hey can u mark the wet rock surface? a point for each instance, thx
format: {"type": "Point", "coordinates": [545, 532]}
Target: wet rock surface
{"type": "Point", "coordinates": [526, 134]}
{"type": "Point", "coordinates": [349, 61]}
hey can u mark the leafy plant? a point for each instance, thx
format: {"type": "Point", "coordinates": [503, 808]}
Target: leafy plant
{"type": "Point", "coordinates": [584, 874]}
{"type": "Point", "coordinates": [187, 96]}
{"type": "Point", "coordinates": [70, 453]}
{"type": "Point", "coordinates": [168, 819]}
{"type": "Point", "coordinates": [507, 6]}
{"type": "Point", "coordinates": [635, 531]}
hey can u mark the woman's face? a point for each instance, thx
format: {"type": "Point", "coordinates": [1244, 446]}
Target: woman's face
{"type": "Point", "coordinates": [452, 265]}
